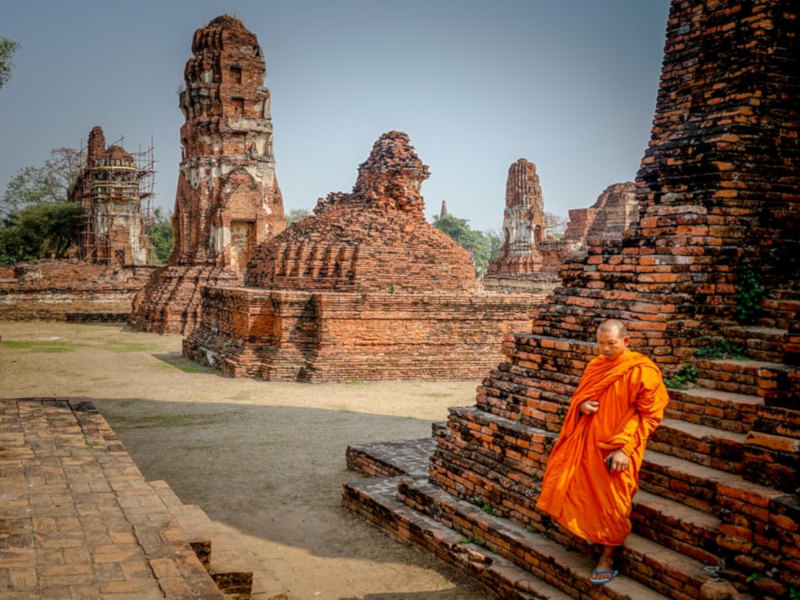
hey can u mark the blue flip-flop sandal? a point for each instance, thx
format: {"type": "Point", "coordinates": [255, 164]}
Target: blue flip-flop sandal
{"type": "Point", "coordinates": [597, 581]}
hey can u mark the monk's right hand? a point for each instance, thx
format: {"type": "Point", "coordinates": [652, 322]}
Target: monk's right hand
{"type": "Point", "coordinates": [589, 407]}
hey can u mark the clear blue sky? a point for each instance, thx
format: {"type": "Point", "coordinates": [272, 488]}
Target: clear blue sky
{"type": "Point", "coordinates": [568, 84]}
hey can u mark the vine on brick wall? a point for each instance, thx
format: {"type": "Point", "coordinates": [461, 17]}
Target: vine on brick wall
{"type": "Point", "coordinates": [749, 294]}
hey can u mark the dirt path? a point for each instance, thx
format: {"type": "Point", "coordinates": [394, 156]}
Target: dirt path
{"type": "Point", "coordinates": [263, 458]}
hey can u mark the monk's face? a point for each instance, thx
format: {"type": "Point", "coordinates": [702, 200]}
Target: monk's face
{"type": "Point", "coordinates": [610, 343]}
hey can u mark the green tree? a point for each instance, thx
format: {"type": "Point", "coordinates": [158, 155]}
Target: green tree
{"type": "Point", "coordinates": [295, 215]}
{"type": "Point", "coordinates": [556, 224]}
{"type": "Point", "coordinates": [7, 48]}
{"type": "Point", "coordinates": [36, 221]}
{"type": "Point", "coordinates": [162, 238]}
{"type": "Point", "coordinates": [495, 239]}
{"type": "Point", "coordinates": [477, 243]}
{"type": "Point", "coordinates": [48, 183]}
{"type": "Point", "coordinates": [44, 230]}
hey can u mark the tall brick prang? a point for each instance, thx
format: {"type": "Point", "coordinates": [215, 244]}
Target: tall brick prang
{"type": "Point", "coordinates": [712, 263]}
{"type": "Point", "coordinates": [365, 288]}
{"type": "Point", "coordinates": [228, 200]}
{"type": "Point", "coordinates": [523, 222]}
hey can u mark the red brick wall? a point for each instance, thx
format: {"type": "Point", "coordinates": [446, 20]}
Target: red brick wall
{"type": "Point", "coordinates": [335, 336]}
{"type": "Point", "coordinates": [170, 302]}
{"type": "Point", "coordinates": [62, 290]}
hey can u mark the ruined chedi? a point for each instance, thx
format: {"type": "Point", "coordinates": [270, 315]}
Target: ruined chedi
{"type": "Point", "coordinates": [719, 210]}
{"type": "Point", "coordinates": [364, 288]}
{"type": "Point", "coordinates": [108, 190]}
{"type": "Point", "coordinates": [227, 200]}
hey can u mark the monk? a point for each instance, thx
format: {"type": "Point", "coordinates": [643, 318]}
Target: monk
{"type": "Point", "coordinates": [593, 470]}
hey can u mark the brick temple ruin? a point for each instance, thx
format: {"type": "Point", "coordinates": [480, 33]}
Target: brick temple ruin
{"type": "Point", "coordinates": [615, 210]}
{"type": "Point", "coordinates": [227, 200]}
{"type": "Point", "coordinates": [364, 288]}
{"type": "Point", "coordinates": [718, 512]}
{"type": "Point", "coordinates": [109, 189]}
{"type": "Point", "coordinates": [529, 257]}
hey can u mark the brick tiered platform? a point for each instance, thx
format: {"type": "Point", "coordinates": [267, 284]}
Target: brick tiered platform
{"type": "Point", "coordinates": [716, 485]}
{"type": "Point", "coordinates": [79, 520]}
{"type": "Point", "coordinates": [506, 560]}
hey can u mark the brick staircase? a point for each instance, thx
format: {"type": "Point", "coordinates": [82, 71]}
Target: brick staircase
{"type": "Point", "coordinates": [717, 511]}
{"type": "Point", "coordinates": [78, 519]}
{"type": "Point", "coordinates": [233, 568]}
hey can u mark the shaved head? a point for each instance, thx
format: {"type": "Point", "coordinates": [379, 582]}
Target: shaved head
{"type": "Point", "coordinates": [613, 326]}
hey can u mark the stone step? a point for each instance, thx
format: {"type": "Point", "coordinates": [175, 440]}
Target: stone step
{"type": "Point", "coordinates": [234, 569]}
{"type": "Point", "coordinates": [534, 398]}
{"type": "Point", "coordinates": [695, 510]}
{"type": "Point", "coordinates": [779, 311]}
{"type": "Point", "coordinates": [671, 523]}
{"type": "Point", "coordinates": [704, 488]}
{"type": "Point", "coordinates": [699, 443]}
{"type": "Point", "coordinates": [761, 343]}
{"type": "Point", "coordinates": [649, 573]}
{"type": "Point", "coordinates": [504, 560]}
{"type": "Point", "coordinates": [676, 526]}
{"type": "Point", "coordinates": [389, 459]}
{"type": "Point", "coordinates": [715, 408]}
{"type": "Point", "coordinates": [772, 449]}
{"type": "Point", "coordinates": [777, 383]}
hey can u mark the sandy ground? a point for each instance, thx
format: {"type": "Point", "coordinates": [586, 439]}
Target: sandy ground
{"type": "Point", "coordinates": [264, 459]}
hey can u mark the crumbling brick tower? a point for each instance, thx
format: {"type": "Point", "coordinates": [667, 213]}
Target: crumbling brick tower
{"type": "Point", "coordinates": [719, 210]}
{"type": "Point", "coordinates": [108, 190]}
{"type": "Point", "coordinates": [228, 200]}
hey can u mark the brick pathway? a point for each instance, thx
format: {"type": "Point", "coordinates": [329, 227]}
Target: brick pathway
{"type": "Point", "coordinates": [77, 518]}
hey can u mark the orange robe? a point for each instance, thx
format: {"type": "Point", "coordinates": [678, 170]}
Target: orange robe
{"type": "Point", "coordinates": [577, 489]}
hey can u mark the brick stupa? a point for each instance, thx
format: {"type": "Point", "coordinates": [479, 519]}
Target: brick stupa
{"type": "Point", "coordinates": [228, 200]}
{"type": "Point", "coordinates": [522, 263]}
{"type": "Point", "coordinates": [718, 233]}
{"type": "Point", "coordinates": [364, 288]}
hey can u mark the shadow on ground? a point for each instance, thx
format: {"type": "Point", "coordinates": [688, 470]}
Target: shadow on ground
{"type": "Point", "coordinates": [272, 472]}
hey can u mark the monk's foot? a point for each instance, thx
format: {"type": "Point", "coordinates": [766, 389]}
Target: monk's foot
{"type": "Point", "coordinates": [604, 571]}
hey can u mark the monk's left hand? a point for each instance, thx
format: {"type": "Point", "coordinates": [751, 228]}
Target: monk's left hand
{"type": "Point", "coordinates": [619, 461]}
